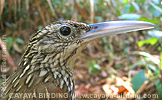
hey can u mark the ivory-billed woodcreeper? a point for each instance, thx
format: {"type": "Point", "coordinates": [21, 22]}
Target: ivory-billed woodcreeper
{"type": "Point", "coordinates": [47, 64]}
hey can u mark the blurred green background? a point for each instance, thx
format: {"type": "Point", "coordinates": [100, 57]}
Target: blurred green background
{"type": "Point", "coordinates": [133, 59]}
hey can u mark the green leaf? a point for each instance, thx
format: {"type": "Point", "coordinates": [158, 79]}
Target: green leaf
{"type": "Point", "coordinates": [129, 16]}
{"type": "Point", "coordinates": [135, 5]}
{"type": "Point", "coordinates": [139, 63]}
{"type": "Point", "coordinates": [19, 40]}
{"type": "Point", "coordinates": [156, 1]}
{"type": "Point", "coordinates": [95, 68]}
{"type": "Point", "coordinates": [150, 58]}
{"type": "Point", "coordinates": [131, 9]}
{"type": "Point", "coordinates": [159, 89]}
{"type": "Point", "coordinates": [99, 18]}
{"type": "Point", "coordinates": [140, 1]}
{"type": "Point", "coordinates": [138, 80]}
{"type": "Point", "coordinates": [151, 41]}
{"type": "Point", "coordinates": [154, 9]}
{"type": "Point", "coordinates": [126, 1]}
{"type": "Point", "coordinates": [104, 39]}
{"type": "Point", "coordinates": [152, 67]}
{"type": "Point", "coordinates": [9, 39]}
{"type": "Point", "coordinates": [126, 8]}
{"type": "Point", "coordinates": [161, 60]}
{"type": "Point", "coordinates": [155, 21]}
{"type": "Point", "coordinates": [40, 27]}
{"type": "Point", "coordinates": [118, 12]}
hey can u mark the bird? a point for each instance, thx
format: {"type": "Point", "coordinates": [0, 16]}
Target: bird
{"type": "Point", "coordinates": [45, 71]}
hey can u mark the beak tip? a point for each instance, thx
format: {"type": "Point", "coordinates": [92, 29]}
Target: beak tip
{"type": "Point", "coordinates": [151, 25]}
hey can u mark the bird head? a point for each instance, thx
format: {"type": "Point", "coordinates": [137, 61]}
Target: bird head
{"type": "Point", "coordinates": [66, 38]}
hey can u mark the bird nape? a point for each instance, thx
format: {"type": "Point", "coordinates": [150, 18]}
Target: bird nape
{"type": "Point", "coordinates": [46, 68]}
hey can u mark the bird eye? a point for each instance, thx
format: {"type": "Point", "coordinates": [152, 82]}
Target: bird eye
{"type": "Point", "coordinates": [65, 31]}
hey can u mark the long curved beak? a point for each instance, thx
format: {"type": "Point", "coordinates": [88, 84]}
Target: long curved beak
{"type": "Point", "coordinates": [114, 27]}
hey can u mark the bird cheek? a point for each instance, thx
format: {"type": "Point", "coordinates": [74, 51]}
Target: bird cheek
{"type": "Point", "coordinates": [73, 46]}
{"type": "Point", "coordinates": [49, 49]}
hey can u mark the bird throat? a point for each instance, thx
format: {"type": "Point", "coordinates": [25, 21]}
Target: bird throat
{"type": "Point", "coordinates": [56, 67]}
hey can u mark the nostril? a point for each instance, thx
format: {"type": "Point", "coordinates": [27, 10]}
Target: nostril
{"type": "Point", "coordinates": [95, 27]}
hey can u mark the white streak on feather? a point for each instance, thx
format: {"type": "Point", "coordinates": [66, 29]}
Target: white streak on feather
{"type": "Point", "coordinates": [42, 73]}
{"type": "Point", "coordinates": [27, 80]}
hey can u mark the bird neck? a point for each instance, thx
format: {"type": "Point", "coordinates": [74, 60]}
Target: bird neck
{"type": "Point", "coordinates": [53, 62]}
{"type": "Point", "coordinates": [58, 65]}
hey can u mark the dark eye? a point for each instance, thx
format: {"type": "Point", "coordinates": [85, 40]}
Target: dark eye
{"type": "Point", "coordinates": [65, 31]}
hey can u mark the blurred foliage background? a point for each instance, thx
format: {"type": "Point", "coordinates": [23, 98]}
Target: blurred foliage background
{"type": "Point", "coordinates": [130, 63]}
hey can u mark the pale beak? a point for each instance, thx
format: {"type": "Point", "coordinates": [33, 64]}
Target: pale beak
{"type": "Point", "coordinates": [114, 27]}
